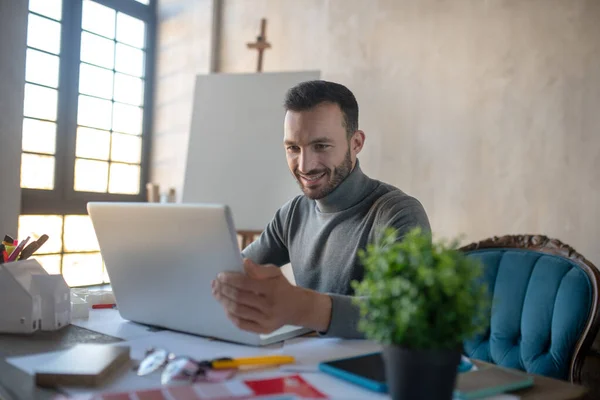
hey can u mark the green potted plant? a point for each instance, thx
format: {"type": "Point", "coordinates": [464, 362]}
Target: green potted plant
{"type": "Point", "coordinates": [420, 299]}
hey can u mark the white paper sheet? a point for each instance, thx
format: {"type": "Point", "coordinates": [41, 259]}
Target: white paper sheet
{"type": "Point", "coordinates": [307, 351]}
{"type": "Point", "coordinates": [196, 347]}
{"type": "Point", "coordinates": [109, 322]}
{"type": "Point", "coordinates": [312, 350]}
{"type": "Point", "coordinates": [180, 344]}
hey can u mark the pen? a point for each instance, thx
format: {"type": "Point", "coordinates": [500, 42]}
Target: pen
{"type": "Point", "coordinates": [227, 363]}
{"type": "Point", "coordinates": [15, 253]}
{"type": "Point", "coordinates": [100, 306]}
{"type": "Point", "coordinates": [33, 247]}
{"type": "Point", "coordinates": [9, 249]}
{"type": "Point", "coordinates": [8, 240]}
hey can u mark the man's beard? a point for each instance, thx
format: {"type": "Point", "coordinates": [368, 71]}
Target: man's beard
{"type": "Point", "coordinates": [339, 173]}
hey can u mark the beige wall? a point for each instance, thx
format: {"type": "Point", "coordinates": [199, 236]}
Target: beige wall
{"type": "Point", "coordinates": [183, 50]}
{"type": "Point", "coordinates": [488, 111]}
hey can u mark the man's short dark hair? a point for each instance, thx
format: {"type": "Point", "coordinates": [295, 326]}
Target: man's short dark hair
{"type": "Point", "coordinates": [307, 95]}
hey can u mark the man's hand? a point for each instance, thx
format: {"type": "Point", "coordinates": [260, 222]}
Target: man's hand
{"type": "Point", "coordinates": [262, 300]}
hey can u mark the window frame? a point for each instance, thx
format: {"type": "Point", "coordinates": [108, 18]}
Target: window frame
{"type": "Point", "coordinates": [63, 199]}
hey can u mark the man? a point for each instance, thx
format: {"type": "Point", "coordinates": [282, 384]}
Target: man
{"type": "Point", "coordinates": [321, 231]}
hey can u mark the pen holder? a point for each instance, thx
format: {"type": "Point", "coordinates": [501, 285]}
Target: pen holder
{"type": "Point", "coordinates": [38, 301]}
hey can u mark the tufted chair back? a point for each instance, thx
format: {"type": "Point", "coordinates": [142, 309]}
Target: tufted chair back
{"type": "Point", "coordinates": [545, 299]}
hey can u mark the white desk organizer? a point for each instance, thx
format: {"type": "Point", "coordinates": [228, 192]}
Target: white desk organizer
{"type": "Point", "coordinates": [32, 299]}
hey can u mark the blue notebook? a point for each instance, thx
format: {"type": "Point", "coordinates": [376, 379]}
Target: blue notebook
{"type": "Point", "coordinates": [368, 370]}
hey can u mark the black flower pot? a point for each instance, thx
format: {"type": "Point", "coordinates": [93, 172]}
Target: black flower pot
{"type": "Point", "coordinates": [420, 374]}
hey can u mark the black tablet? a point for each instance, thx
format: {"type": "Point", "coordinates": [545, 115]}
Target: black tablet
{"type": "Point", "coordinates": [366, 370]}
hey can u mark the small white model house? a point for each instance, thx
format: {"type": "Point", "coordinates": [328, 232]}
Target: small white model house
{"type": "Point", "coordinates": [32, 299]}
{"type": "Point", "coordinates": [21, 310]}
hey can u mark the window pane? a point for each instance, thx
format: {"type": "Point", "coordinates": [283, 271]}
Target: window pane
{"type": "Point", "coordinates": [51, 263]}
{"type": "Point", "coordinates": [91, 176]}
{"type": "Point", "coordinates": [129, 89]}
{"type": "Point", "coordinates": [37, 172]}
{"type": "Point", "coordinates": [38, 225]}
{"type": "Point", "coordinates": [97, 50]}
{"type": "Point", "coordinates": [39, 136]}
{"type": "Point", "coordinates": [126, 148]}
{"type": "Point", "coordinates": [95, 81]}
{"type": "Point", "coordinates": [82, 269]}
{"type": "Point", "coordinates": [43, 34]}
{"type": "Point", "coordinates": [98, 19]}
{"type": "Point", "coordinates": [130, 30]}
{"type": "Point", "coordinates": [129, 60]}
{"type": "Point", "coordinates": [40, 102]}
{"type": "Point", "coordinates": [49, 8]}
{"type": "Point", "coordinates": [124, 179]}
{"type": "Point", "coordinates": [79, 234]}
{"type": "Point", "coordinates": [94, 112]}
{"type": "Point", "coordinates": [41, 68]}
{"type": "Point", "coordinates": [92, 143]}
{"type": "Point", "coordinates": [127, 119]}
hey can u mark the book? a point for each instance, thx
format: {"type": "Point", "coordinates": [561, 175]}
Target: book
{"type": "Point", "coordinates": [82, 365]}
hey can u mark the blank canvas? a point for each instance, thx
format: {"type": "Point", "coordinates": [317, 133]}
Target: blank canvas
{"type": "Point", "coordinates": [235, 153]}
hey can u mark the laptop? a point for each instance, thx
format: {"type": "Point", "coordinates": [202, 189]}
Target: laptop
{"type": "Point", "coordinates": [161, 259]}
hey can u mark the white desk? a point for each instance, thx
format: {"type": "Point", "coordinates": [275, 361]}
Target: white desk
{"type": "Point", "coordinates": [308, 351]}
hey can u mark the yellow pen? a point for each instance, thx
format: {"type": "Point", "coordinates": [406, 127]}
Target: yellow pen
{"type": "Point", "coordinates": [263, 360]}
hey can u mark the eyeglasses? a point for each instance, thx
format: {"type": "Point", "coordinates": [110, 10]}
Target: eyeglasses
{"type": "Point", "coordinates": [178, 369]}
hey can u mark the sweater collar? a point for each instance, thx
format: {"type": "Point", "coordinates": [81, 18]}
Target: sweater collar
{"type": "Point", "coordinates": [349, 192]}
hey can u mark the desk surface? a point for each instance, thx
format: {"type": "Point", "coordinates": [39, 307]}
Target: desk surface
{"type": "Point", "coordinates": [545, 388]}
{"type": "Point", "coordinates": [16, 384]}
{"type": "Point", "coordinates": [20, 385]}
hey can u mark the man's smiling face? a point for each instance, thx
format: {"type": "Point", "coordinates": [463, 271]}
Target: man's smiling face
{"type": "Point", "coordinates": [319, 152]}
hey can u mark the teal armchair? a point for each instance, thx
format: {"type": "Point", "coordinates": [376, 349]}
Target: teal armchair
{"type": "Point", "coordinates": [544, 309]}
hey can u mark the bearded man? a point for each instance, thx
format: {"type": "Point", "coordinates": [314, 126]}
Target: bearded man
{"type": "Point", "coordinates": [321, 231]}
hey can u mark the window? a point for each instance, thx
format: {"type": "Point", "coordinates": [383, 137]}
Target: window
{"type": "Point", "coordinates": [88, 85]}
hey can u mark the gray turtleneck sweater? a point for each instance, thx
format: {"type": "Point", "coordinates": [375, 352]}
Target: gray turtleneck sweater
{"type": "Point", "coordinates": [320, 238]}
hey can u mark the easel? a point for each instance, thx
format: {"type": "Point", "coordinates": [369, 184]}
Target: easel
{"type": "Point", "coordinates": [247, 237]}
{"type": "Point", "coordinates": [261, 44]}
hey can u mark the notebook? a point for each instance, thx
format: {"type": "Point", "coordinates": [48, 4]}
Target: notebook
{"type": "Point", "coordinates": [489, 382]}
{"type": "Point", "coordinates": [82, 365]}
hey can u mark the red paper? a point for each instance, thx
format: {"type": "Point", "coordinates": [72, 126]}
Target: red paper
{"type": "Point", "coordinates": [232, 390]}
{"type": "Point", "coordinates": [287, 385]}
